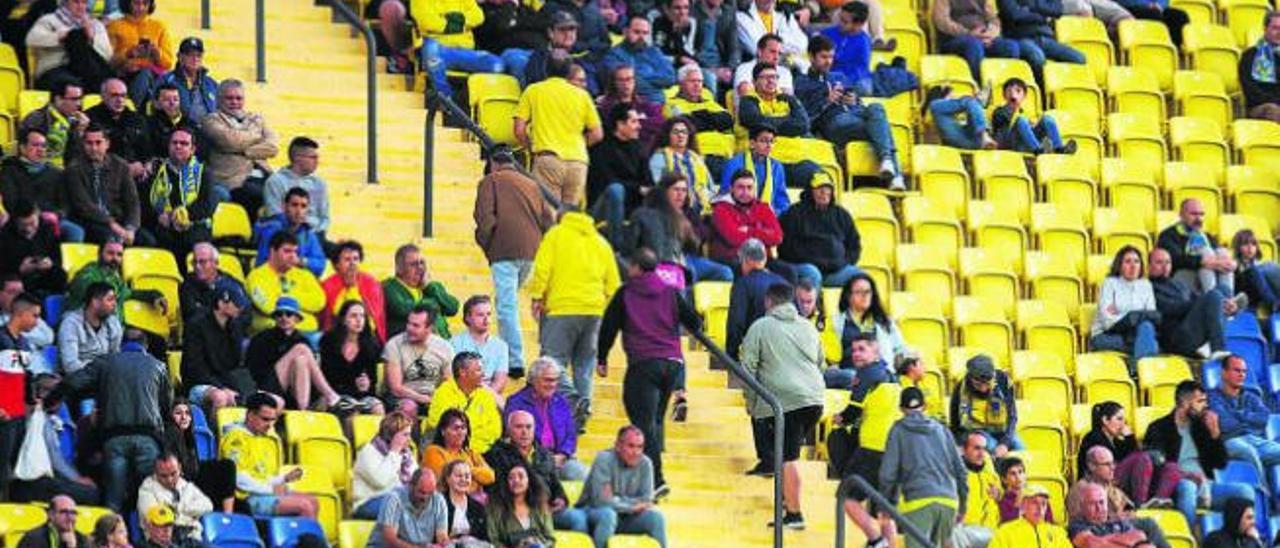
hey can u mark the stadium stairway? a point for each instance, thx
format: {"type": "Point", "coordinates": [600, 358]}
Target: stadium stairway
{"type": "Point", "coordinates": [315, 87]}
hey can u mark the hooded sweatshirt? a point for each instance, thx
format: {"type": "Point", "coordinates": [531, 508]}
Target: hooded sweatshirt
{"type": "Point", "coordinates": [574, 271]}
{"type": "Point", "coordinates": [649, 313]}
{"type": "Point", "coordinates": [1229, 536]}
{"type": "Point", "coordinates": [783, 351]}
{"type": "Point", "coordinates": [825, 237]}
{"type": "Point", "coordinates": [921, 461]}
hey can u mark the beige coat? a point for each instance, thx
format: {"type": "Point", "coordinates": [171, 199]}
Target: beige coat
{"type": "Point", "coordinates": [236, 146]}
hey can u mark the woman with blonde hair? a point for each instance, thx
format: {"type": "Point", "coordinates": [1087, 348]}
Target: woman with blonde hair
{"type": "Point", "coordinates": [386, 462]}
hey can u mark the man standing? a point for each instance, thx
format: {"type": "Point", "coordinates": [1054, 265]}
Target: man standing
{"type": "Point", "coordinates": [619, 176]}
{"type": "Point", "coordinates": [304, 158]}
{"type": "Point", "coordinates": [61, 121]}
{"type": "Point", "coordinates": [255, 449]}
{"type": "Point", "coordinates": [60, 529]}
{"type": "Point", "coordinates": [819, 237]}
{"type": "Point", "coordinates": [746, 297]}
{"type": "Point", "coordinates": [412, 287]}
{"type": "Point", "coordinates": [466, 392]}
{"type": "Point", "coordinates": [1196, 262]}
{"type": "Point", "coordinates": [479, 339]}
{"type": "Point", "coordinates": [197, 91]}
{"type": "Point", "coordinates": [211, 366]}
{"type": "Point", "coordinates": [348, 283]}
{"type": "Point", "coordinates": [565, 122]}
{"type": "Point", "coordinates": [101, 195]}
{"type": "Point", "coordinates": [91, 332]}
{"type": "Point", "coordinates": [1257, 71]}
{"type": "Point", "coordinates": [510, 214]}
{"type": "Point", "coordinates": [654, 71]}
{"type": "Point", "coordinates": [167, 489]}
{"type": "Point", "coordinates": [126, 128]}
{"type": "Point", "coordinates": [417, 361]}
{"type": "Point", "coordinates": [783, 351]}
{"type": "Point", "coordinates": [181, 200]}
{"type": "Point", "coordinates": [280, 277]}
{"type": "Point", "coordinates": [15, 360]}
{"type": "Point", "coordinates": [649, 313]}
{"type": "Point", "coordinates": [133, 393]}
{"type": "Point", "coordinates": [621, 482]}
{"type": "Point", "coordinates": [1031, 528]}
{"type": "Point", "coordinates": [574, 276]}
{"type": "Point", "coordinates": [29, 175]}
{"type": "Point", "coordinates": [31, 250]}
{"type": "Point", "coordinates": [294, 220]}
{"type": "Point", "coordinates": [413, 515]}
{"type": "Point", "coordinates": [1191, 324]}
{"type": "Point", "coordinates": [1242, 418]}
{"type": "Point", "coordinates": [920, 460]}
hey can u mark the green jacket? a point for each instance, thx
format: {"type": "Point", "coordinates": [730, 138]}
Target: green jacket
{"type": "Point", "coordinates": [783, 351]}
{"type": "Point", "coordinates": [94, 272]}
{"type": "Point", "coordinates": [399, 302]}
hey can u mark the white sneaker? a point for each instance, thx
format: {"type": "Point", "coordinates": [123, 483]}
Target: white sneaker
{"type": "Point", "coordinates": [887, 169]}
{"type": "Point", "coordinates": [897, 183]}
{"type": "Point", "coordinates": [1218, 355]}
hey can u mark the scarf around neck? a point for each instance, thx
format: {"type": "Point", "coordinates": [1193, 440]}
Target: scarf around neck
{"type": "Point", "coordinates": [1264, 63]}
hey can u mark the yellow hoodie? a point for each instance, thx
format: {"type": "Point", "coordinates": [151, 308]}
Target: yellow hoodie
{"type": "Point", "coordinates": [574, 272]}
{"type": "Point", "coordinates": [430, 15]}
{"type": "Point", "coordinates": [265, 286]}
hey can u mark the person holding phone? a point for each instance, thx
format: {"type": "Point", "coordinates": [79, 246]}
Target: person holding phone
{"type": "Point", "coordinates": [253, 445]}
{"type": "Point", "coordinates": [141, 49]}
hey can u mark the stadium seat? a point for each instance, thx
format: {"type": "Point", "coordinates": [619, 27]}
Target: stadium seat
{"type": "Point", "coordinates": [206, 443]}
{"type": "Point", "coordinates": [1158, 376]}
{"type": "Point", "coordinates": [493, 105]}
{"type": "Point", "coordinates": [1004, 181]}
{"type": "Point", "coordinates": [1052, 278]}
{"type": "Point", "coordinates": [877, 225]}
{"type": "Point", "coordinates": [996, 71]}
{"type": "Point", "coordinates": [87, 516]}
{"type": "Point", "coordinates": [573, 539]}
{"type": "Point", "coordinates": [941, 176]}
{"type": "Point", "coordinates": [76, 255]}
{"type": "Point", "coordinates": [1273, 427]}
{"type": "Point", "coordinates": [861, 161]}
{"type": "Point", "coordinates": [228, 416]}
{"type": "Point", "coordinates": [1045, 326]}
{"type": "Point", "coordinates": [1210, 48]}
{"type": "Point", "coordinates": [934, 225]}
{"type": "Point", "coordinates": [1072, 87]}
{"type": "Point", "coordinates": [284, 532]}
{"type": "Point", "coordinates": [355, 533]}
{"type": "Point", "coordinates": [1132, 185]}
{"type": "Point", "coordinates": [1057, 488]}
{"type": "Point", "coordinates": [991, 228]}
{"type": "Point", "coordinates": [145, 317]}
{"type": "Point", "coordinates": [315, 439]}
{"type": "Point", "coordinates": [30, 100]}
{"type": "Point", "coordinates": [1174, 525]}
{"type": "Point", "coordinates": [1257, 143]}
{"type": "Point", "coordinates": [1089, 36]}
{"type": "Point", "coordinates": [1136, 138]}
{"type": "Point", "coordinates": [1201, 94]}
{"type": "Point", "coordinates": [1145, 43]}
{"type": "Point", "coordinates": [901, 24]}
{"type": "Point", "coordinates": [1067, 183]}
{"type": "Point", "coordinates": [711, 299]}
{"type": "Point", "coordinates": [317, 482]}
{"type": "Point", "coordinates": [923, 325]}
{"type": "Point", "coordinates": [17, 519]}
{"type": "Point", "coordinates": [1185, 180]}
{"type": "Point", "coordinates": [1103, 376]}
{"type": "Point", "coordinates": [925, 272]}
{"type": "Point", "coordinates": [227, 263]}
{"type": "Point", "coordinates": [1085, 132]}
{"type": "Point", "coordinates": [947, 70]}
{"type": "Point", "coordinates": [1058, 231]}
{"type": "Point", "coordinates": [1113, 230]}
{"type": "Point", "coordinates": [981, 324]}
{"type": "Point", "coordinates": [230, 530]}
{"type": "Point", "coordinates": [153, 268]}
{"type": "Point", "coordinates": [1146, 416]}
{"type": "Point", "coordinates": [1043, 377]}
{"type": "Point", "coordinates": [1081, 421]}
{"type": "Point", "coordinates": [989, 274]}
{"type": "Point", "coordinates": [1255, 192]}
{"type": "Point", "coordinates": [792, 150]}
{"type": "Point", "coordinates": [632, 541]}
{"type": "Point", "coordinates": [1135, 90]}
{"type": "Point", "coordinates": [1200, 141]}
{"type": "Point", "coordinates": [1244, 18]}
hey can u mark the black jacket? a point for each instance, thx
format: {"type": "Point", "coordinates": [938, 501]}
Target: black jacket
{"type": "Point", "coordinates": [614, 161]}
{"type": "Point", "coordinates": [825, 237]}
{"type": "Point", "coordinates": [40, 538]}
{"type": "Point", "coordinates": [265, 349]}
{"type": "Point", "coordinates": [794, 124]}
{"type": "Point", "coordinates": [1028, 18]}
{"type": "Point", "coordinates": [132, 390]}
{"type": "Point", "coordinates": [1228, 536]}
{"type": "Point", "coordinates": [1255, 92]}
{"type": "Point", "coordinates": [14, 249]}
{"type": "Point", "coordinates": [42, 185]}
{"type": "Point", "coordinates": [1162, 435]}
{"type": "Point", "coordinates": [1119, 451]}
{"type": "Point", "coordinates": [510, 25]}
{"type": "Point", "coordinates": [1173, 240]}
{"type": "Point", "coordinates": [1173, 300]}
{"type": "Point", "coordinates": [503, 456]}
{"type": "Point", "coordinates": [649, 228]}
{"type": "Point", "coordinates": [475, 517]}
{"type": "Point", "coordinates": [130, 137]}
{"type": "Point", "coordinates": [211, 354]}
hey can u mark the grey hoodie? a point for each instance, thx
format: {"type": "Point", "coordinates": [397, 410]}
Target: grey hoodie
{"type": "Point", "coordinates": [784, 352]}
{"type": "Point", "coordinates": [921, 460]}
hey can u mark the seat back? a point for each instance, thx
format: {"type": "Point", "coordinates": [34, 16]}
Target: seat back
{"type": "Point", "coordinates": [283, 532]}
{"type": "Point", "coordinates": [355, 533]}
{"type": "Point", "coordinates": [1089, 36]}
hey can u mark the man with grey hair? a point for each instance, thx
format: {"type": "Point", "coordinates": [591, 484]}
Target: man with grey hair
{"type": "Point", "coordinates": [1101, 475]}
{"type": "Point", "coordinates": [239, 143]}
{"type": "Point", "coordinates": [692, 99]}
{"type": "Point", "coordinates": [746, 305]}
{"type": "Point", "coordinates": [204, 281]}
{"type": "Point", "coordinates": [554, 427]}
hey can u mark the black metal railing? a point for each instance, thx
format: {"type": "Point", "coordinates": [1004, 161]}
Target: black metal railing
{"type": "Point", "coordinates": [260, 38]}
{"type": "Point", "coordinates": [204, 14]}
{"type": "Point", "coordinates": [371, 84]}
{"type": "Point", "coordinates": [842, 494]}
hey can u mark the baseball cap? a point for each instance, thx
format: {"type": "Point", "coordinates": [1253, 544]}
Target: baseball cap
{"type": "Point", "coordinates": [902, 360]}
{"type": "Point", "coordinates": [160, 514]}
{"type": "Point", "coordinates": [563, 19]}
{"type": "Point", "coordinates": [980, 367]}
{"type": "Point", "coordinates": [911, 398]}
{"type": "Point", "coordinates": [820, 179]}
{"type": "Point", "coordinates": [190, 44]}
{"type": "Point", "coordinates": [287, 304]}
{"type": "Point", "coordinates": [1034, 490]}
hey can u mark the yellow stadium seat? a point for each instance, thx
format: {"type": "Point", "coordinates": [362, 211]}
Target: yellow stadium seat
{"type": "Point", "coordinates": [316, 482]}
{"type": "Point", "coordinates": [1200, 12]}
{"type": "Point", "coordinates": [988, 274]}
{"type": "Point", "coordinates": [982, 324]}
{"type": "Point", "coordinates": [493, 100]}
{"type": "Point", "coordinates": [1146, 44]}
{"type": "Point", "coordinates": [1146, 416]}
{"type": "Point", "coordinates": [573, 489]}
{"type": "Point", "coordinates": [1099, 267]}
{"type": "Point", "coordinates": [791, 150]}
{"type": "Point", "coordinates": [1089, 36]}
{"type": "Point", "coordinates": [1136, 137]}
{"type": "Point", "coordinates": [1158, 376]}
{"type": "Point", "coordinates": [861, 160]}
{"type": "Point", "coordinates": [30, 100]}
{"type": "Point", "coordinates": [363, 429]}
{"type": "Point", "coordinates": [573, 539]}
{"type": "Point", "coordinates": [1103, 376]}
{"type": "Point", "coordinates": [8, 56]}
{"type": "Point", "coordinates": [877, 225]}
{"type": "Point", "coordinates": [1068, 184]}
{"type": "Point", "coordinates": [230, 221]}
{"type": "Point", "coordinates": [1244, 18]}
{"type": "Point", "coordinates": [923, 325]}
{"type": "Point", "coordinates": [1073, 88]}
{"type": "Point", "coordinates": [1131, 185]}
{"type": "Point", "coordinates": [940, 175]}
{"type": "Point", "coordinates": [957, 360]}
{"type": "Point", "coordinates": [1057, 488]}
{"type": "Point", "coordinates": [1113, 230]}
{"type": "Point", "coordinates": [149, 262]}
{"type": "Point", "coordinates": [12, 82]}
{"type": "Point", "coordinates": [227, 416]}
{"type": "Point", "coordinates": [991, 228]}
{"type": "Point", "coordinates": [145, 317]}
{"type": "Point", "coordinates": [925, 272]}
{"type": "Point", "coordinates": [1052, 278]}
{"type": "Point", "coordinates": [76, 255]}
{"type": "Point", "coordinates": [1081, 421]}
{"type": "Point", "coordinates": [1201, 142]}
{"type": "Point", "coordinates": [1210, 48]}
{"type": "Point", "coordinates": [316, 441]}
{"type": "Point", "coordinates": [1046, 326]}
{"type": "Point", "coordinates": [1202, 94]}
{"type": "Point", "coordinates": [1229, 224]}
{"type": "Point", "coordinates": [879, 412]}
{"type": "Point", "coordinates": [227, 263]}
{"type": "Point", "coordinates": [934, 225]}
{"type": "Point", "coordinates": [355, 533]}
{"type": "Point", "coordinates": [1043, 377]}
{"type": "Point", "coordinates": [481, 86]}
{"type": "Point", "coordinates": [1003, 179]}
{"type": "Point", "coordinates": [1174, 525]}
{"type": "Point", "coordinates": [91, 100]}
{"type": "Point", "coordinates": [996, 71]}
{"type": "Point", "coordinates": [709, 295]}
{"type": "Point", "coordinates": [1086, 133]}
{"type": "Point", "coordinates": [1061, 232]}
{"type": "Point", "coordinates": [17, 519]}
{"type": "Point", "coordinates": [947, 70]}
{"type": "Point", "coordinates": [173, 360]}
{"type": "Point", "coordinates": [1136, 90]}
{"type": "Point", "coordinates": [87, 517]}
{"type": "Point", "coordinates": [1255, 191]}
{"type": "Point", "coordinates": [632, 541]}
{"type": "Point", "coordinates": [1040, 427]}
{"type": "Point", "coordinates": [1185, 180]}
{"type": "Point", "coordinates": [1257, 143]}
{"type": "Point", "coordinates": [901, 24]}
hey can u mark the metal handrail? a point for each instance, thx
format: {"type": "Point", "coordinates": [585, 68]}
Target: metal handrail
{"type": "Point", "coordinates": [260, 38]}
{"type": "Point", "coordinates": [371, 84]}
{"type": "Point", "coordinates": [204, 14]}
{"type": "Point", "coordinates": [842, 494]}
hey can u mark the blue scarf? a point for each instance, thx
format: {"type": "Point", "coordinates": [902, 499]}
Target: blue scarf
{"type": "Point", "coordinates": [1264, 63]}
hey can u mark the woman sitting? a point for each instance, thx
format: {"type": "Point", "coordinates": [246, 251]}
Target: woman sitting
{"type": "Point", "coordinates": [110, 532]}
{"type": "Point", "coordinates": [1256, 278]}
{"type": "Point", "coordinates": [140, 48]}
{"type": "Point", "coordinates": [677, 152]}
{"type": "Point", "coordinates": [1135, 473]}
{"type": "Point", "coordinates": [1127, 317]}
{"type": "Point", "coordinates": [467, 526]}
{"type": "Point", "coordinates": [349, 355]}
{"type": "Point", "coordinates": [453, 442]}
{"type": "Point", "coordinates": [860, 312]}
{"type": "Point", "coordinates": [215, 477]}
{"type": "Point", "coordinates": [386, 462]}
{"type": "Point", "coordinates": [518, 515]}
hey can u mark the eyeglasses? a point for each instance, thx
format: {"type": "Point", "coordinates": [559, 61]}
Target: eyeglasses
{"type": "Point", "coordinates": [681, 130]}
{"type": "Point", "coordinates": [764, 141]}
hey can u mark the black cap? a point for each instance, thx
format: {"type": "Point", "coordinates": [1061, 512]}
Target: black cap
{"type": "Point", "coordinates": [190, 44]}
{"type": "Point", "coordinates": [562, 19]}
{"type": "Point", "coordinates": [911, 398]}
{"type": "Point", "coordinates": [502, 154]}
{"type": "Point", "coordinates": [981, 367]}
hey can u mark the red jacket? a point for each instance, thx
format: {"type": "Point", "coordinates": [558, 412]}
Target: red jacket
{"type": "Point", "coordinates": [735, 223]}
{"type": "Point", "coordinates": [370, 293]}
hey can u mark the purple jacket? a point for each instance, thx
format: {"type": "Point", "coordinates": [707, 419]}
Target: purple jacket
{"type": "Point", "coordinates": [649, 314]}
{"type": "Point", "coordinates": [563, 429]}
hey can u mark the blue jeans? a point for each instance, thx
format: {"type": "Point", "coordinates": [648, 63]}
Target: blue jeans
{"type": "Point", "coordinates": [1015, 443]}
{"type": "Point", "coordinates": [70, 231]}
{"type": "Point", "coordinates": [128, 461]}
{"type": "Point", "coordinates": [707, 270]}
{"type": "Point", "coordinates": [863, 123]}
{"type": "Point", "coordinates": [1024, 137]}
{"type": "Point", "coordinates": [439, 59]}
{"type": "Point", "coordinates": [1142, 343]}
{"type": "Point", "coordinates": [809, 271]}
{"type": "Point", "coordinates": [611, 207]}
{"type": "Point", "coordinates": [508, 277]}
{"type": "Point", "coordinates": [600, 523]}
{"type": "Point", "coordinates": [1260, 451]}
{"type": "Point", "coordinates": [953, 133]}
{"type": "Point", "coordinates": [515, 60]}
{"type": "Point", "coordinates": [973, 51]}
{"type": "Point", "coordinates": [370, 509]}
{"type": "Point", "coordinates": [1035, 51]}
{"type": "Point", "coordinates": [1186, 496]}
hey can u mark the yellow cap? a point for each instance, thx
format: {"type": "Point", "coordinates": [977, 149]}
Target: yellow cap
{"type": "Point", "coordinates": [160, 514]}
{"type": "Point", "coordinates": [1033, 490]}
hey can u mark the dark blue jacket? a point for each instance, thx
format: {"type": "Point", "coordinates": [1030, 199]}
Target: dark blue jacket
{"type": "Point", "coordinates": [197, 100]}
{"type": "Point", "coordinates": [853, 53]}
{"type": "Point", "coordinates": [746, 305]}
{"type": "Point", "coordinates": [654, 72]}
{"type": "Point", "coordinates": [865, 379]}
{"type": "Point", "coordinates": [1243, 414]}
{"type": "Point", "coordinates": [308, 244]}
{"type": "Point", "coordinates": [1029, 18]}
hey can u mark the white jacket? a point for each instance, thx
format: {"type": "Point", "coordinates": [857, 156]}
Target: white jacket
{"type": "Point", "coordinates": [48, 49]}
{"type": "Point", "coordinates": [795, 43]}
{"type": "Point", "coordinates": [1126, 295]}
{"type": "Point", "coordinates": [376, 474]}
{"type": "Point", "coordinates": [188, 504]}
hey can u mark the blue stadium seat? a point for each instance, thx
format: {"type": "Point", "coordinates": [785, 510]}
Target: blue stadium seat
{"type": "Point", "coordinates": [1243, 324]}
{"type": "Point", "coordinates": [230, 531]}
{"type": "Point", "coordinates": [53, 309]}
{"type": "Point", "coordinates": [1273, 427]}
{"type": "Point", "coordinates": [1271, 381]}
{"type": "Point", "coordinates": [1210, 522]}
{"type": "Point", "coordinates": [284, 532]}
{"type": "Point", "coordinates": [50, 354]}
{"type": "Point", "coordinates": [67, 437]}
{"type": "Point", "coordinates": [206, 445]}
{"type": "Point", "coordinates": [1239, 471]}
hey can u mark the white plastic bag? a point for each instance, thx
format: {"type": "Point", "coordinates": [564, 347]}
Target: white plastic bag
{"type": "Point", "coordinates": [33, 458]}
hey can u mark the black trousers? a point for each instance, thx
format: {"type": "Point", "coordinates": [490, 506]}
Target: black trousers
{"type": "Point", "coordinates": [11, 434]}
{"type": "Point", "coordinates": [1201, 324]}
{"type": "Point", "coordinates": [646, 390]}
{"type": "Point", "coordinates": [43, 489]}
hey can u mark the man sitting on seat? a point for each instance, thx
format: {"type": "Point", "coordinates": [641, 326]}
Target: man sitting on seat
{"type": "Point", "coordinates": [961, 120]}
{"type": "Point", "coordinates": [204, 281]}
{"type": "Point", "coordinates": [1196, 262]}
{"type": "Point", "coordinates": [767, 175]}
{"type": "Point", "coordinates": [447, 42]}
{"type": "Point", "coordinates": [211, 365]}
{"type": "Point", "coordinates": [69, 43]}
{"type": "Point", "coordinates": [1191, 324]}
{"type": "Point", "coordinates": [1243, 418]}
{"type": "Point", "coordinates": [60, 528]}
{"type": "Point", "coordinates": [770, 106]}
{"type": "Point", "coordinates": [764, 17]}
{"type": "Point", "coordinates": [417, 361]}
{"type": "Point", "coordinates": [983, 401]}
{"type": "Point", "coordinates": [90, 332]}
{"type": "Point", "coordinates": [619, 174]}
{"type": "Point", "coordinates": [621, 482]}
{"type": "Point", "coordinates": [768, 51]}
{"type": "Point", "coordinates": [466, 392]}
{"type": "Point", "coordinates": [413, 515]}
{"type": "Point", "coordinates": [256, 449]}
{"type": "Point", "coordinates": [61, 121]}
{"type": "Point", "coordinates": [165, 117]}
{"type": "Point", "coordinates": [281, 276]}
{"type": "Point", "coordinates": [304, 157]}
{"type": "Point", "coordinates": [184, 502]}
{"type": "Point", "coordinates": [108, 269]}
{"type": "Point", "coordinates": [1257, 72]}
{"type": "Point", "coordinates": [197, 91]}
{"type": "Point", "coordinates": [181, 201]}
{"type": "Point", "coordinates": [480, 339]}
{"type": "Point", "coordinates": [819, 236]}
{"type": "Point", "coordinates": [1096, 524]}
{"type": "Point", "coordinates": [693, 100]}
{"type": "Point", "coordinates": [1033, 527]}
{"type": "Point", "coordinates": [982, 514]}
{"type": "Point", "coordinates": [101, 196]}
{"type": "Point", "coordinates": [31, 250]}
{"type": "Point", "coordinates": [127, 128]}
{"type": "Point", "coordinates": [239, 145]}
{"type": "Point", "coordinates": [29, 175]}
{"type": "Point", "coordinates": [654, 72]}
